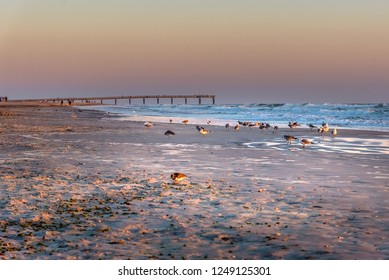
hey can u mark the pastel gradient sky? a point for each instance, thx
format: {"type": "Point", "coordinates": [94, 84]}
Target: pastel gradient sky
{"type": "Point", "coordinates": [242, 51]}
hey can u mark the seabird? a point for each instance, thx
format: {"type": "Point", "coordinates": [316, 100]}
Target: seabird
{"type": "Point", "coordinates": [199, 128]}
{"type": "Point", "coordinates": [251, 125]}
{"type": "Point", "coordinates": [262, 126]}
{"type": "Point", "coordinates": [293, 124]}
{"type": "Point", "coordinates": [334, 132]}
{"type": "Point", "coordinates": [185, 121]}
{"type": "Point", "coordinates": [311, 126]}
{"type": "Point", "coordinates": [177, 177]}
{"type": "Point", "coordinates": [290, 138]}
{"type": "Point", "coordinates": [306, 142]}
{"type": "Point", "coordinates": [169, 133]}
{"type": "Point", "coordinates": [237, 127]}
{"type": "Point", "coordinates": [204, 131]}
{"type": "Point", "coordinates": [227, 126]}
{"type": "Point", "coordinates": [323, 129]}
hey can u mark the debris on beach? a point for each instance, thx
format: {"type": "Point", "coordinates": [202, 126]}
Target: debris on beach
{"type": "Point", "coordinates": [148, 124]}
{"type": "Point", "coordinates": [6, 114]}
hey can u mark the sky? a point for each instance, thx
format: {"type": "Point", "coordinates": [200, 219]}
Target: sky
{"type": "Point", "coordinates": [242, 51]}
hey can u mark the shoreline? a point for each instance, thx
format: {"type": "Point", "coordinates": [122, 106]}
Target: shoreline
{"type": "Point", "coordinates": [165, 119]}
{"type": "Point", "coordinates": [203, 121]}
{"type": "Point", "coordinates": [79, 184]}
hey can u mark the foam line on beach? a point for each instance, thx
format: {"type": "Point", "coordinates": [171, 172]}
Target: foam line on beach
{"type": "Point", "coordinates": [338, 145]}
{"type": "Point", "coordinates": [355, 146]}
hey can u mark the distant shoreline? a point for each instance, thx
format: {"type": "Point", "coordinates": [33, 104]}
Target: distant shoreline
{"type": "Point", "coordinates": [45, 104]}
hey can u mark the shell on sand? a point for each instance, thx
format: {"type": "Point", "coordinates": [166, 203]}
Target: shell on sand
{"type": "Point", "coordinates": [148, 124]}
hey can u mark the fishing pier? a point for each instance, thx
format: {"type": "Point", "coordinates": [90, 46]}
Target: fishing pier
{"type": "Point", "coordinates": [101, 99]}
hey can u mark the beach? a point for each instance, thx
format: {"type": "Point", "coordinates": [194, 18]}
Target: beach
{"type": "Point", "coordinates": [84, 184]}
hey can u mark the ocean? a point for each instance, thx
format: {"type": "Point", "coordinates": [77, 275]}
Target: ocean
{"type": "Point", "coordinates": [350, 116]}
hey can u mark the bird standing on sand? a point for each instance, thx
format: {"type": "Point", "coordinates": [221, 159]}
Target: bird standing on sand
{"type": "Point", "coordinates": [237, 127]}
{"type": "Point", "coordinates": [227, 126]}
{"type": "Point", "coordinates": [311, 126]}
{"type": "Point", "coordinates": [264, 126]}
{"type": "Point", "coordinates": [306, 142]}
{"type": "Point", "coordinates": [169, 133]}
{"type": "Point", "coordinates": [323, 129]}
{"type": "Point", "coordinates": [199, 127]}
{"type": "Point", "coordinates": [185, 121]}
{"type": "Point", "coordinates": [177, 177]}
{"type": "Point", "coordinates": [293, 124]}
{"type": "Point", "coordinates": [204, 131]}
{"type": "Point", "coordinates": [290, 138]}
{"type": "Point", "coordinates": [251, 125]}
{"type": "Point", "coordinates": [334, 132]}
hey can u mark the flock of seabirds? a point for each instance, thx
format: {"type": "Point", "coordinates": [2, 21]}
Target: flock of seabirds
{"type": "Point", "coordinates": [324, 128]}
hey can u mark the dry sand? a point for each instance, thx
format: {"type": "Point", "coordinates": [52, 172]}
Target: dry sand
{"type": "Point", "coordinates": [80, 184]}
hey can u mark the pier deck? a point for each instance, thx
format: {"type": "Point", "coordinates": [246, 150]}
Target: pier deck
{"type": "Point", "coordinates": [116, 98]}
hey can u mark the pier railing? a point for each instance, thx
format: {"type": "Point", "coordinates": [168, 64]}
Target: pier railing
{"type": "Point", "coordinates": [70, 100]}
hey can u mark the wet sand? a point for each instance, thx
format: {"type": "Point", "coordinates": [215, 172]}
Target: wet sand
{"type": "Point", "coordinates": [81, 184]}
